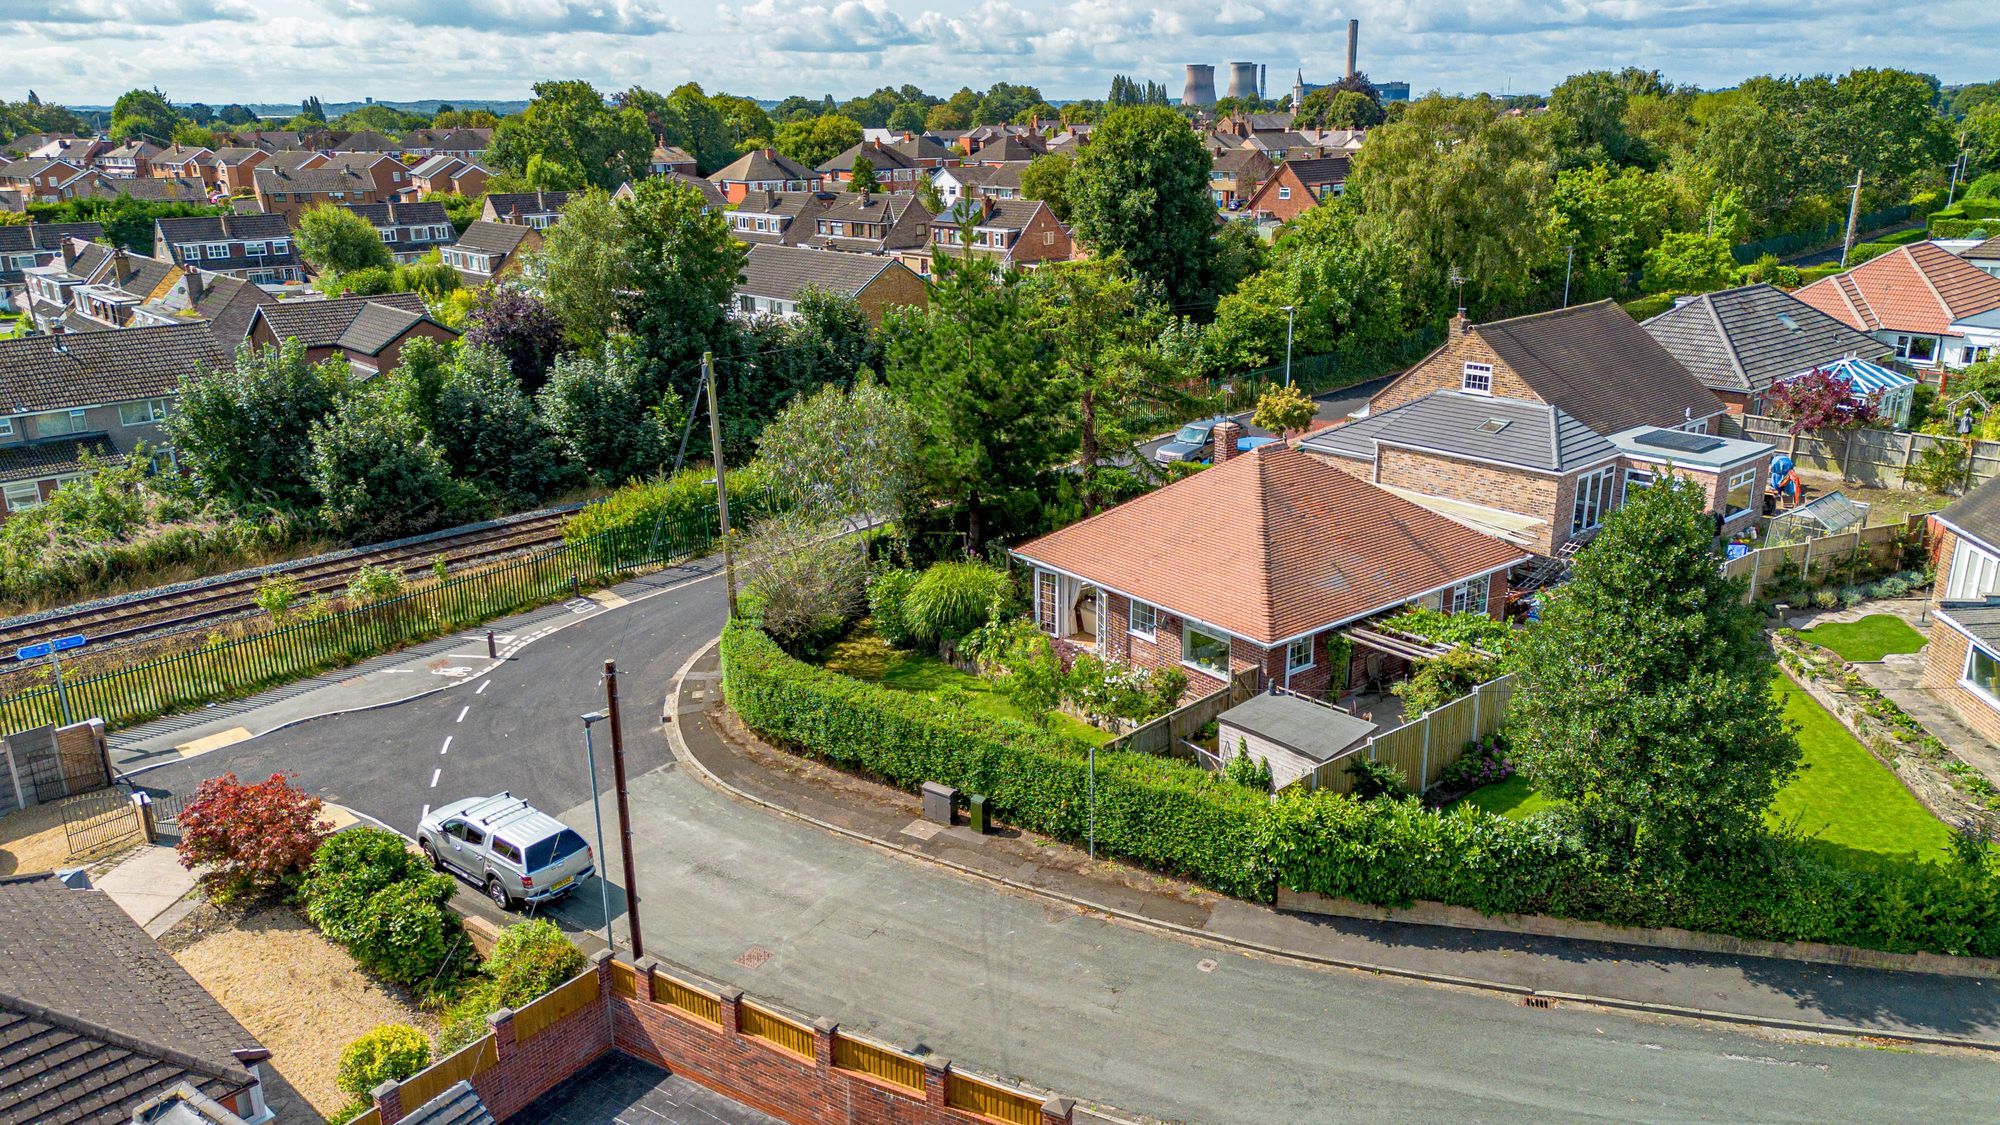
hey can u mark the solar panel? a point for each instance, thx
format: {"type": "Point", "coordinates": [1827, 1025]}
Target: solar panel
{"type": "Point", "coordinates": [1679, 440]}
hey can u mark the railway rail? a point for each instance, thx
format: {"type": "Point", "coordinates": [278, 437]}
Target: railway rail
{"type": "Point", "coordinates": [177, 607]}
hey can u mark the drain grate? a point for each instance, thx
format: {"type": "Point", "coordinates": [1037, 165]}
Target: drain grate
{"type": "Point", "coordinates": [1534, 1001]}
{"type": "Point", "coordinates": [753, 957]}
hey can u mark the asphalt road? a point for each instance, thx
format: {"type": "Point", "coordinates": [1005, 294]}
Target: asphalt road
{"type": "Point", "coordinates": [1012, 984]}
{"type": "Point", "coordinates": [1333, 406]}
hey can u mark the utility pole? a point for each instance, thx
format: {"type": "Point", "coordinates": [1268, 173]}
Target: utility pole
{"type": "Point", "coordinates": [1290, 312]}
{"type": "Point", "coordinates": [597, 811]}
{"type": "Point", "coordinates": [1853, 220]}
{"type": "Point", "coordinates": [1569, 266]}
{"type": "Point", "coordinates": [721, 482]}
{"type": "Point", "coordinates": [1957, 166]}
{"type": "Point", "coordinates": [624, 809]}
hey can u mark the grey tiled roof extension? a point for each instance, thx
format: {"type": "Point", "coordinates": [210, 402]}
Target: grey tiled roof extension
{"type": "Point", "coordinates": [1528, 434]}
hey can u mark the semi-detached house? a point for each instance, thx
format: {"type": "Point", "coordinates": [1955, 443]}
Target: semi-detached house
{"type": "Point", "coordinates": [102, 393]}
{"type": "Point", "coordinates": [257, 248]}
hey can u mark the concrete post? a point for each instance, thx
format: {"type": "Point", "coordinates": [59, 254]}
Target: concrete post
{"type": "Point", "coordinates": [1057, 1111]}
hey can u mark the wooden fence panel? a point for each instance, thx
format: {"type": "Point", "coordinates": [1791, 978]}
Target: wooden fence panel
{"type": "Point", "coordinates": [555, 1005]}
{"type": "Point", "coordinates": [1423, 747]}
{"type": "Point", "coordinates": [988, 1100]}
{"type": "Point", "coordinates": [876, 1061]}
{"type": "Point", "coordinates": [772, 1028]}
{"type": "Point", "coordinates": [687, 999]}
{"type": "Point", "coordinates": [469, 1061]}
{"type": "Point", "coordinates": [1876, 458]}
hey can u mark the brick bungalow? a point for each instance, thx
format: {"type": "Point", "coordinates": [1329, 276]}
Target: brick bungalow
{"type": "Point", "coordinates": [1962, 661]}
{"type": "Point", "coordinates": [1254, 564]}
{"type": "Point", "coordinates": [368, 332]}
{"type": "Point", "coordinates": [1534, 428]}
{"type": "Point", "coordinates": [775, 277]}
{"type": "Point", "coordinates": [1916, 299]}
{"type": "Point", "coordinates": [1739, 342]}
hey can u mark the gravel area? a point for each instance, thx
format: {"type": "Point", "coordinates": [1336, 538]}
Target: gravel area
{"type": "Point", "coordinates": [298, 993]}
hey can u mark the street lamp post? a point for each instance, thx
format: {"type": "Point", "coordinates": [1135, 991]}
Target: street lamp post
{"type": "Point", "coordinates": [1569, 266]}
{"type": "Point", "coordinates": [1093, 800]}
{"type": "Point", "coordinates": [1290, 311]}
{"type": "Point", "coordinates": [603, 883]}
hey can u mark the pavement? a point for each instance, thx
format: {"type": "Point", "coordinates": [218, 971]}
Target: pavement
{"type": "Point", "coordinates": [1030, 986]}
{"type": "Point", "coordinates": [150, 886]}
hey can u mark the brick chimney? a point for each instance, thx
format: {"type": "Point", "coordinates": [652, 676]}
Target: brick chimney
{"type": "Point", "coordinates": [1459, 324]}
{"type": "Point", "coordinates": [121, 265]}
{"type": "Point", "coordinates": [194, 285]}
{"type": "Point", "coordinates": [1225, 433]}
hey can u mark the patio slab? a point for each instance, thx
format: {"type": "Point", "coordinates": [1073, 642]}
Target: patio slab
{"type": "Point", "coordinates": [147, 884]}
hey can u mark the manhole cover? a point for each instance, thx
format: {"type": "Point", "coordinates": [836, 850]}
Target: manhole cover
{"type": "Point", "coordinates": [753, 957]}
{"type": "Point", "coordinates": [1206, 964]}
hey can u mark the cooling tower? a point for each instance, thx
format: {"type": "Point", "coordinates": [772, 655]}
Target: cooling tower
{"type": "Point", "coordinates": [1200, 88]}
{"type": "Point", "coordinates": [1242, 80]}
{"type": "Point", "coordinates": [1353, 44]}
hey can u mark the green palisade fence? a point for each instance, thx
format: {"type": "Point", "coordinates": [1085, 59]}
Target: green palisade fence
{"type": "Point", "coordinates": [238, 667]}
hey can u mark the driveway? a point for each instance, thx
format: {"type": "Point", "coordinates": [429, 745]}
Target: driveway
{"type": "Point", "coordinates": [1333, 407]}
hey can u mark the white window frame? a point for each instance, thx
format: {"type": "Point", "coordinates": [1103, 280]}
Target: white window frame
{"type": "Point", "coordinates": [1592, 500]}
{"type": "Point", "coordinates": [6, 427]}
{"type": "Point", "coordinates": [1640, 479]}
{"type": "Point", "coordinates": [1477, 379]}
{"type": "Point", "coordinates": [1292, 662]}
{"type": "Point", "coordinates": [215, 250]}
{"type": "Point", "coordinates": [1975, 573]}
{"type": "Point", "coordinates": [1468, 596]}
{"type": "Point", "coordinates": [1698, 426]}
{"type": "Point", "coordinates": [1744, 479]}
{"type": "Point", "coordinates": [13, 489]}
{"type": "Point", "coordinates": [1151, 614]}
{"type": "Point", "coordinates": [1906, 344]}
{"type": "Point", "coordinates": [148, 412]}
{"type": "Point", "coordinates": [281, 246]}
{"type": "Point", "coordinates": [256, 249]}
{"type": "Point", "coordinates": [79, 423]}
{"type": "Point", "coordinates": [1188, 630]}
{"type": "Point", "coordinates": [1965, 680]}
{"type": "Point", "coordinates": [1284, 193]}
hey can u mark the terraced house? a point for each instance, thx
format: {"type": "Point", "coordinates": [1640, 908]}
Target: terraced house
{"type": "Point", "coordinates": [92, 287]}
{"type": "Point", "coordinates": [103, 394]}
{"type": "Point", "coordinates": [257, 248]}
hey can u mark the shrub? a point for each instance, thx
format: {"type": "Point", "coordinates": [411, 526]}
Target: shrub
{"type": "Point", "coordinates": [679, 510]}
{"type": "Point", "coordinates": [1017, 658]}
{"type": "Point", "coordinates": [887, 591]}
{"type": "Point", "coordinates": [1441, 679]}
{"type": "Point", "coordinates": [391, 1052]}
{"type": "Point", "coordinates": [1374, 779]}
{"type": "Point", "coordinates": [1104, 689]}
{"type": "Point", "coordinates": [805, 585]}
{"type": "Point", "coordinates": [528, 960]}
{"type": "Point", "coordinates": [250, 837]}
{"type": "Point", "coordinates": [951, 599]}
{"type": "Point", "coordinates": [1482, 763]}
{"type": "Point", "coordinates": [374, 584]}
{"type": "Point", "coordinates": [277, 596]}
{"type": "Point", "coordinates": [370, 893]}
{"type": "Point", "coordinates": [1251, 773]}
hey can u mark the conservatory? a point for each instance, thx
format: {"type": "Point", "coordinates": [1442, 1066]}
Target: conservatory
{"type": "Point", "coordinates": [1892, 390]}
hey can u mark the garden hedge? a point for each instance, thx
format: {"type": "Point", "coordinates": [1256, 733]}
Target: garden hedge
{"type": "Point", "coordinates": [1176, 817]}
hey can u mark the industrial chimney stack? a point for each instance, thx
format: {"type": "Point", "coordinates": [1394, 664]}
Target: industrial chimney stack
{"type": "Point", "coordinates": [1353, 44]}
{"type": "Point", "coordinates": [1200, 88]}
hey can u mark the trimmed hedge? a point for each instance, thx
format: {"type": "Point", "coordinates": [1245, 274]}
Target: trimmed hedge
{"type": "Point", "coordinates": [1158, 811]}
{"type": "Point", "coordinates": [1176, 817]}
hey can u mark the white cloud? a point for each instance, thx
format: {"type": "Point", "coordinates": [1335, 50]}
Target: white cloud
{"type": "Point", "coordinates": [848, 27]}
{"type": "Point", "coordinates": [519, 17]}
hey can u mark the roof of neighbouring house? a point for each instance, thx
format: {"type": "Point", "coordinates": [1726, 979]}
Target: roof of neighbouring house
{"type": "Point", "coordinates": [95, 1017]}
{"type": "Point", "coordinates": [319, 178]}
{"type": "Point", "coordinates": [20, 238]}
{"type": "Point", "coordinates": [222, 228]}
{"type": "Point", "coordinates": [882, 156]}
{"type": "Point", "coordinates": [1745, 339]}
{"type": "Point", "coordinates": [71, 370]}
{"type": "Point", "coordinates": [1511, 431]}
{"type": "Point", "coordinates": [486, 236]}
{"type": "Point", "coordinates": [670, 154]}
{"type": "Point", "coordinates": [784, 272]}
{"type": "Point", "coordinates": [1595, 363]}
{"type": "Point", "coordinates": [1976, 515]}
{"type": "Point", "coordinates": [400, 214]}
{"type": "Point", "coordinates": [1271, 545]}
{"type": "Point", "coordinates": [1685, 448]}
{"type": "Point", "coordinates": [1315, 730]}
{"type": "Point", "coordinates": [1317, 170]}
{"type": "Point", "coordinates": [1006, 175]}
{"type": "Point", "coordinates": [44, 459]}
{"type": "Point", "coordinates": [359, 324]}
{"type": "Point", "coordinates": [1917, 288]}
{"type": "Point", "coordinates": [763, 164]}
{"type": "Point", "coordinates": [527, 202]}
{"type": "Point", "coordinates": [458, 1105]}
{"type": "Point", "coordinates": [1988, 250]}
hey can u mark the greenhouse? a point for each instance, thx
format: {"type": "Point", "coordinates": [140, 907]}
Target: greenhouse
{"type": "Point", "coordinates": [1828, 515]}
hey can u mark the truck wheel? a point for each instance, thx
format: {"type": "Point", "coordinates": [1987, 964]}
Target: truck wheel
{"type": "Point", "coordinates": [498, 893]}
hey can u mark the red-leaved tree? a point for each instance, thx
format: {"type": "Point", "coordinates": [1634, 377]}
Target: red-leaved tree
{"type": "Point", "coordinates": [249, 837]}
{"type": "Point", "coordinates": [1818, 401]}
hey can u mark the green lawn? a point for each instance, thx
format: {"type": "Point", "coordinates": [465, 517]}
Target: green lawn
{"type": "Point", "coordinates": [866, 656]}
{"type": "Point", "coordinates": [1871, 638]}
{"type": "Point", "coordinates": [1850, 804]}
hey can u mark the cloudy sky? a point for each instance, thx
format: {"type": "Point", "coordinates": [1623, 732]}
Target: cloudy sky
{"type": "Point", "coordinates": [218, 51]}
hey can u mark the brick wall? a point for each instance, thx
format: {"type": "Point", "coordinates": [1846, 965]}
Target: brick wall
{"type": "Point", "coordinates": [1444, 370]}
{"type": "Point", "coordinates": [1944, 662]}
{"type": "Point", "coordinates": [1163, 651]}
{"type": "Point", "coordinates": [1544, 497]}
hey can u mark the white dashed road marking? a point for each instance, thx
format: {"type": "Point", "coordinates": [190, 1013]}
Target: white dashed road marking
{"type": "Point", "coordinates": [483, 687]}
{"type": "Point", "coordinates": [447, 745]}
{"type": "Point", "coordinates": [461, 713]}
{"type": "Point", "coordinates": [434, 776]}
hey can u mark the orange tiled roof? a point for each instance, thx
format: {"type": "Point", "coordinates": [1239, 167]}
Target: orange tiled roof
{"type": "Point", "coordinates": [1270, 545]}
{"type": "Point", "coordinates": [1918, 288]}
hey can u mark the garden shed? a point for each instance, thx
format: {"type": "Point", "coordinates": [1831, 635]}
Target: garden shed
{"type": "Point", "coordinates": [1291, 734]}
{"type": "Point", "coordinates": [1828, 515]}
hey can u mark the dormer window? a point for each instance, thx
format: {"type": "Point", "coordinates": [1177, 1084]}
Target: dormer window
{"type": "Point", "coordinates": [1478, 379]}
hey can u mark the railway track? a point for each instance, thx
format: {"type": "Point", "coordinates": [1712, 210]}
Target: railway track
{"type": "Point", "coordinates": [136, 615]}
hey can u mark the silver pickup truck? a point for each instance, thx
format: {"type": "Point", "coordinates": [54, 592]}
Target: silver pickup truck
{"type": "Point", "coordinates": [515, 852]}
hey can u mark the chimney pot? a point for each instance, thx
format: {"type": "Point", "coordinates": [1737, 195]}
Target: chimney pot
{"type": "Point", "coordinates": [1459, 324]}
